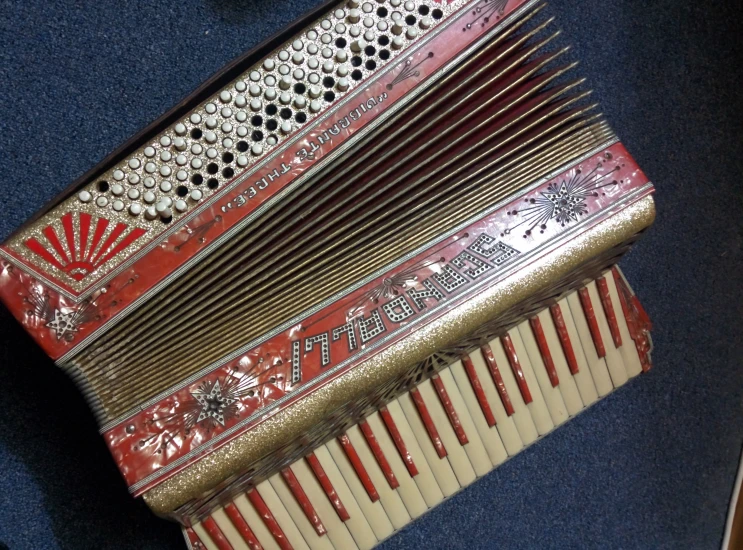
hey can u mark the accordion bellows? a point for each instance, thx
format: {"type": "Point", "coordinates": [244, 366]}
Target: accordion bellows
{"type": "Point", "coordinates": [334, 216]}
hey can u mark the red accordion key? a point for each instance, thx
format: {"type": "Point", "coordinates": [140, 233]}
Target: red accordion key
{"type": "Point", "coordinates": [544, 350]}
{"type": "Point", "coordinates": [564, 336]}
{"type": "Point", "coordinates": [487, 352]}
{"type": "Point", "coordinates": [215, 533]}
{"type": "Point", "coordinates": [449, 408]}
{"type": "Point", "coordinates": [399, 442]}
{"type": "Point", "coordinates": [303, 501]}
{"type": "Point", "coordinates": [242, 527]}
{"type": "Point", "coordinates": [433, 433]}
{"type": "Point", "coordinates": [378, 454]}
{"type": "Point", "coordinates": [593, 325]}
{"type": "Point", "coordinates": [518, 372]}
{"type": "Point", "coordinates": [358, 466]}
{"type": "Point", "coordinates": [324, 481]}
{"type": "Point", "coordinates": [477, 389]}
{"type": "Point", "coordinates": [611, 317]}
{"type": "Point", "coordinates": [268, 519]}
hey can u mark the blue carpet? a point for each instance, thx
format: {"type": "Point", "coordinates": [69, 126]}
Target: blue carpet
{"type": "Point", "coordinates": [652, 466]}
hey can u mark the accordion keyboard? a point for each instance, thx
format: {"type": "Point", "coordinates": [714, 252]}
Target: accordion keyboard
{"type": "Point", "coordinates": [360, 488]}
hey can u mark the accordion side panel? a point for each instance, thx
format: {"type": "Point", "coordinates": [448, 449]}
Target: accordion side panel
{"type": "Point", "coordinates": [100, 254]}
{"type": "Point", "coordinates": [274, 434]}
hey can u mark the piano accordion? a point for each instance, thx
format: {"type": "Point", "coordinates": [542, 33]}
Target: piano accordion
{"type": "Point", "coordinates": [358, 268]}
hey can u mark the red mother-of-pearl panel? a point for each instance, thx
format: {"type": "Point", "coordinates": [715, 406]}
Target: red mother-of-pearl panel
{"type": "Point", "coordinates": [219, 215]}
{"type": "Point", "coordinates": [165, 437]}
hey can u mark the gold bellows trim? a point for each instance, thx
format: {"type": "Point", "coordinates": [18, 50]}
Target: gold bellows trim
{"type": "Point", "coordinates": [291, 423]}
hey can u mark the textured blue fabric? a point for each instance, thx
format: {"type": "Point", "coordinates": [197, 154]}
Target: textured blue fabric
{"type": "Point", "coordinates": [651, 466]}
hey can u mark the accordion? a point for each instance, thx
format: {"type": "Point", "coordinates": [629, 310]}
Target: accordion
{"type": "Point", "coordinates": [360, 267]}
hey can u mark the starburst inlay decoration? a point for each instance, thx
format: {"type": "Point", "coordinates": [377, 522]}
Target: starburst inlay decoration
{"type": "Point", "coordinates": [564, 201]}
{"type": "Point", "coordinates": [63, 323]}
{"type": "Point", "coordinates": [213, 402]}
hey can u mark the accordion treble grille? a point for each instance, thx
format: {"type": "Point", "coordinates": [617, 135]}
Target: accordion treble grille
{"type": "Point", "coordinates": [505, 118]}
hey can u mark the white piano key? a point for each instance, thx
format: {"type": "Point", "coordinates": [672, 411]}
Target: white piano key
{"type": "Point", "coordinates": [388, 497]}
{"type": "Point", "coordinates": [425, 480]}
{"type": "Point", "coordinates": [522, 415]}
{"type": "Point", "coordinates": [281, 515]}
{"type": "Point", "coordinates": [228, 530]}
{"type": "Point", "coordinates": [204, 537]}
{"type": "Point", "coordinates": [284, 493]}
{"type": "Point", "coordinates": [614, 361]}
{"type": "Point", "coordinates": [475, 448]}
{"type": "Point", "coordinates": [372, 511]}
{"type": "Point", "coordinates": [571, 394]}
{"type": "Point", "coordinates": [456, 454]}
{"type": "Point", "coordinates": [488, 434]}
{"type": "Point", "coordinates": [551, 394]}
{"type": "Point", "coordinates": [628, 349]}
{"type": "Point", "coordinates": [505, 424]}
{"type": "Point", "coordinates": [338, 533]}
{"type": "Point", "coordinates": [408, 489]}
{"type": "Point", "coordinates": [596, 365]}
{"type": "Point", "coordinates": [358, 525]}
{"type": "Point", "coordinates": [440, 467]}
{"type": "Point", "coordinates": [255, 522]}
{"type": "Point", "coordinates": [537, 408]}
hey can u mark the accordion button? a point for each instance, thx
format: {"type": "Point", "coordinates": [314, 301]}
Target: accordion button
{"type": "Point", "coordinates": [410, 6]}
{"type": "Point", "coordinates": [149, 182]}
{"type": "Point", "coordinates": [269, 64]}
{"type": "Point", "coordinates": [240, 116]}
{"type": "Point", "coordinates": [358, 45]}
{"type": "Point", "coordinates": [341, 56]}
{"type": "Point", "coordinates": [196, 194]}
{"type": "Point", "coordinates": [196, 163]}
{"type": "Point", "coordinates": [255, 76]}
{"type": "Point", "coordinates": [315, 91]}
{"type": "Point", "coordinates": [257, 149]}
{"type": "Point", "coordinates": [133, 194]}
{"type": "Point", "coordinates": [165, 171]}
{"type": "Point", "coordinates": [226, 127]}
{"type": "Point", "coordinates": [297, 58]}
{"type": "Point", "coordinates": [117, 189]}
{"type": "Point", "coordinates": [369, 36]}
{"type": "Point", "coordinates": [149, 197]}
{"type": "Point", "coordinates": [165, 156]}
{"type": "Point", "coordinates": [255, 104]}
{"type": "Point", "coordinates": [396, 28]}
{"type": "Point", "coordinates": [227, 143]}
{"type": "Point", "coordinates": [285, 82]}
{"type": "Point", "coordinates": [166, 186]}
{"type": "Point", "coordinates": [343, 84]}
{"type": "Point", "coordinates": [298, 74]}
{"type": "Point", "coordinates": [181, 205]}
{"type": "Point", "coordinates": [118, 175]}
{"type": "Point", "coordinates": [353, 3]}
{"type": "Point", "coordinates": [180, 129]}
{"type": "Point", "coordinates": [211, 122]}
{"type": "Point", "coordinates": [425, 22]}
{"type": "Point", "coordinates": [240, 86]}
{"type": "Point", "coordinates": [195, 119]}
{"type": "Point", "coordinates": [181, 159]}
{"type": "Point", "coordinates": [326, 24]}
{"type": "Point", "coordinates": [300, 102]}
{"type": "Point", "coordinates": [133, 178]}
{"type": "Point", "coordinates": [382, 26]}
{"type": "Point", "coordinates": [312, 35]}
{"type": "Point", "coordinates": [226, 112]}
{"type": "Point", "coordinates": [135, 209]}
{"type": "Point", "coordinates": [84, 196]}
{"type": "Point", "coordinates": [313, 63]}
{"type": "Point", "coordinates": [151, 213]}
{"type": "Point", "coordinates": [328, 66]}
{"type": "Point", "coordinates": [368, 22]}
{"type": "Point", "coordinates": [240, 100]}
{"type": "Point", "coordinates": [367, 7]}
{"type": "Point", "coordinates": [354, 16]}
{"type": "Point", "coordinates": [342, 71]}
{"type": "Point", "coordinates": [210, 137]}
{"type": "Point", "coordinates": [412, 32]}
{"type": "Point", "coordinates": [297, 45]}
{"type": "Point", "coordinates": [340, 28]}
{"type": "Point", "coordinates": [242, 160]}
{"type": "Point", "coordinates": [182, 175]}
{"type": "Point", "coordinates": [270, 95]}
{"type": "Point", "coordinates": [225, 96]}
{"type": "Point", "coordinates": [101, 201]}
{"type": "Point", "coordinates": [210, 108]}
{"type": "Point", "coordinates": [397, 43]}
{"type": "Point", "coordinates": [211, 153]}
{"type": "Point", "coordinates": [271, 140]}
{"type": "Point", "coordinates": [339, 14]}
{"type": "Point", "coordinates": [118, 206]}
{"type": "Point", "coordinates": [134, 164]}
{"type": "Point", "coordinates": [285, 98]}
{"type": "Point", "coordinates": [150, 168]}
{"type": "Point", "coordinates": [149, 151]}
{"type": "Point", "coordinates": [286, 127]}
{"type": "Point", "coordinates": [179, 144]}
{"type": "Point", "coordinates": [314, 105]}
{"type": "Point", "coordinates": [326, 38]}
{"type": "Point", "coordinates": [196, 149]}
{"type": "Point", "coordinates": [354, 31]}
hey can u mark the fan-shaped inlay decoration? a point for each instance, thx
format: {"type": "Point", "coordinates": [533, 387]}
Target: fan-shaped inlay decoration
{"type": "Point", "coordinates": [86, 244]}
